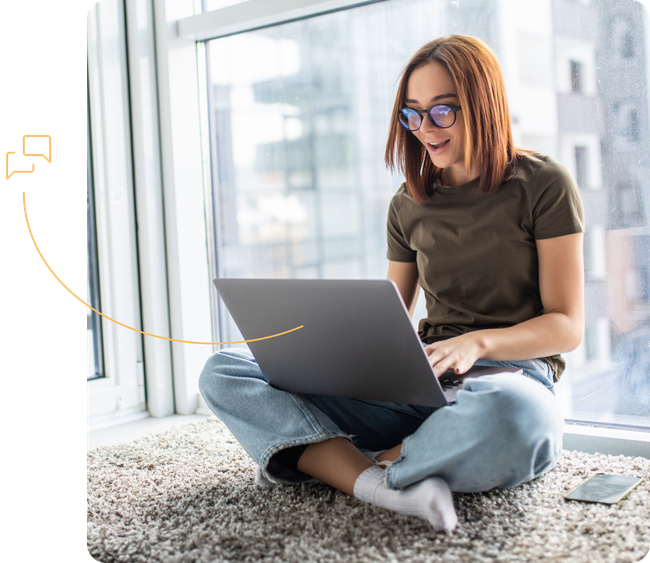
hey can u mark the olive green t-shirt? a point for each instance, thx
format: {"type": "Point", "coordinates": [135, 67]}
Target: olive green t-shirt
{"type": "Point", "coordinates": [476, 254]}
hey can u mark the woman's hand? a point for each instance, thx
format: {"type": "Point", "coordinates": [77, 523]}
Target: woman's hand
{"type": "Point", "coordinates": [458, 353]}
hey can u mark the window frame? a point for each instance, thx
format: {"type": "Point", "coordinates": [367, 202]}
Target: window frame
{"type": "Point", "coordinates": [119, 395]}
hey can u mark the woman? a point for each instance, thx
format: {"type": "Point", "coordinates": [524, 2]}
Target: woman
{"type": "Point", "coordinates": [493, 234]}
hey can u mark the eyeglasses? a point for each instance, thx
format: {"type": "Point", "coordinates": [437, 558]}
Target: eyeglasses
{"type": "Point", "coordinates": [441, 115]}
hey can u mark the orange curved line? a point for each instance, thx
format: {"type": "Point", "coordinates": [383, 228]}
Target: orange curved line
{"type": "Point", "coordinates": [129, 327]}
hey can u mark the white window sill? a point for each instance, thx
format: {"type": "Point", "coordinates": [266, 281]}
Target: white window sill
{"type": "Point", "coordinates": [582, 438]}
{"type": "Point", "coordinates": [611, 441]}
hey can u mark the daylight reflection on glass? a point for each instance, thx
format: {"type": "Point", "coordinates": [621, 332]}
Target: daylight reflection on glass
{"type": "Point", "coordinates": [441, 115]}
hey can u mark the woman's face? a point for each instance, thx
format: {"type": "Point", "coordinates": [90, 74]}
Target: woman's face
{"type": "Point", "coordinates": [429, 85]}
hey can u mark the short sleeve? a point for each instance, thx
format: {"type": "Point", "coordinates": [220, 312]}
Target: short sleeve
{"type": "Point", "coordinates": [398, 247]}
{"type": "Point", "coordinates": [557, 204]}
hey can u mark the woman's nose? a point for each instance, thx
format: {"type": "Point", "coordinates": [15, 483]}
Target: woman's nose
{"type": "Point", "coordinates": [428, 125]}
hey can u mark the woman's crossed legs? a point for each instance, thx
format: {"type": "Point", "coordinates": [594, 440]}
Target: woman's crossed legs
{"type": "Point", "coordinates": [503, 430]}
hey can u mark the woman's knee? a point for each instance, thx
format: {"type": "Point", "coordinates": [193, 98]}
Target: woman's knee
{"type": "Point", "coordinates": [515, 400]}
{"type": "Point", "coordinates": [224, 365]}
{"type": "Point", "coordinates": [523, 417]}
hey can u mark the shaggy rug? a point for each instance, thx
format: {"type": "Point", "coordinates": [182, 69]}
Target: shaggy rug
{"type": "Point", "coordinates": [188, 495]}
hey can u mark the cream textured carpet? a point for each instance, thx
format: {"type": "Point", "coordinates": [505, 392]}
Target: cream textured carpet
{"type": "Point", "coordinates": [188, 495]}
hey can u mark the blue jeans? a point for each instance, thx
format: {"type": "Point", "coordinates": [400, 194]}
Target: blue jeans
{"type": "Point", "coordinates": [503, 429]}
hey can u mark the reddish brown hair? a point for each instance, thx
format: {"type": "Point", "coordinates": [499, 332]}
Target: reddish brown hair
{"type": "Point", "coordinates": [476, 73]}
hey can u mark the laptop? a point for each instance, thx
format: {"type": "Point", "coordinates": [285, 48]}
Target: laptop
{"type": "Point", "coordinates": [356, 340]}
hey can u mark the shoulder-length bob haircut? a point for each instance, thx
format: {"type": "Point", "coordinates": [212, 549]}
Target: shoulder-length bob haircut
{"type": "Point", "coordinates": [476, 73]}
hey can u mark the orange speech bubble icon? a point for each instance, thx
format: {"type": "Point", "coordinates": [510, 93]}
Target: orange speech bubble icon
{"type": "Point", "coordinates": [47, 156]}
{"type": "Point", "coordinates": [11, 172]}
{"type": "Point", "coordinates": [36, 145]}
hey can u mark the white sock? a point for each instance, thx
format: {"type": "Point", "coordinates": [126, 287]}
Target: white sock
{"type": "Point", "coordinates": [262, 481]}
{"type": "Point", "coordinates": [371, 455]}
{"type": "Point", "coordinates": [429, 499]}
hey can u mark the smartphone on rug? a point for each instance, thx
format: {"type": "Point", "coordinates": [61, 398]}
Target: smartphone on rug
{"type": "Point", "coordinates": [604, 488]}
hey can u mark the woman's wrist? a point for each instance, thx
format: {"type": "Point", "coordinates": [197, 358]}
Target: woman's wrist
{"type": "Point", "coordinates": [483, 342]}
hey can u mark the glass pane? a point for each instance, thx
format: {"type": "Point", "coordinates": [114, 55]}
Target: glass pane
{"type": "Point", "coordinates": [608, 377]}
{"type": "Point", "coordinates": [94, 327]}
{"type": "Point", "coordinates": [91, 343]}
{"type": "Point", "coordinates": [299, 118]}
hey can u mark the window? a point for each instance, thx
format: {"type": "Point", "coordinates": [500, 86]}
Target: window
{"type": "Point", "coordinates": [623, 38]}
{"type": "Point", "coordinates": [626, 206]}
{"type": "Point", "coordinates": [582, 166]}
{"type": "Point", "coordinates": [576, 76]}
{"type": "Point", "coordinates": [625, 119]}
{"type": "Point", "coordinates": [297, 127]}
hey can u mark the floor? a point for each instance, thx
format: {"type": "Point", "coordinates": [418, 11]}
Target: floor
{"type": "Point", "coordinates": [136, 429]}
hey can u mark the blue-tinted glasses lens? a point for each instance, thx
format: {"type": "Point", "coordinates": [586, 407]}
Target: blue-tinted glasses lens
{"type": "Point", "coordinates": [443, 116]}
{"type": "Point", "coordinates": [410, 119]}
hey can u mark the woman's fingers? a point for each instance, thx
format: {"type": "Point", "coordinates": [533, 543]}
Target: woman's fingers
{"type": "Point", "coordinates": [441, 359]}
{"type": "Point", "coordinates": [446, 355]}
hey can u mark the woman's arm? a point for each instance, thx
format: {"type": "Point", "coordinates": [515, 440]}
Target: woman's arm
{"type": "Point", "coordinates": [406, 277]}
{"type": "Point", "coordinates": [560, 329]}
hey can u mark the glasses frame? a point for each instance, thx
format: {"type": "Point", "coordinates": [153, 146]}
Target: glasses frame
{"type": "Point", "coordinates": [421, 113]}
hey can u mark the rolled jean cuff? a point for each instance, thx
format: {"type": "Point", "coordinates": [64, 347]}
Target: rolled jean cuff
{"type": "Point", "coordinates": [282, 475]}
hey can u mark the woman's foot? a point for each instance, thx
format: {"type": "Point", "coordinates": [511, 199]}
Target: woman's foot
{"type": "Point", "coordinates": [429, 499]}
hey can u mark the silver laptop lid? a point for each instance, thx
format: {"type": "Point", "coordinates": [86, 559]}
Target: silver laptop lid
{"type": "Point", "coordinates": [357, 340]}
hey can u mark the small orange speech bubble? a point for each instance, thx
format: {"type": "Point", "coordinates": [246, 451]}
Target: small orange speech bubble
{"type": "Point", "coordinates": [39, 145]}
{"type": "Point", "coordinates": [11, 172]}
{"type": "Point", "coordinates": [47, 156]}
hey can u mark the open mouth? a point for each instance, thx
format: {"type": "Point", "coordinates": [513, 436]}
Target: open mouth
{"type": "Point", "coordinates": [438, 145]}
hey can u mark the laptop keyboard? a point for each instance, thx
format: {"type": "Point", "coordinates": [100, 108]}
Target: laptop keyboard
{"type": "Point", "coordinates": [450, 383]}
